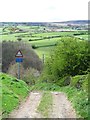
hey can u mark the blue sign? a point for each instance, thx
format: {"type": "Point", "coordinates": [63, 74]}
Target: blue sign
{"type": "Point", "coordinates": [19, 59]}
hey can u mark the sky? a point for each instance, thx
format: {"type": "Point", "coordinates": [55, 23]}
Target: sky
{"type": "Point", "coordinates": [43, 10]}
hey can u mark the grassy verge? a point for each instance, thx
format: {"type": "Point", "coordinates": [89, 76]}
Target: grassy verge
{"type": "Point", "coordinates": [13, 91]}
{"type": "Point", "coordinates": [45, 104]}
{"type": "Point", "coordinates": [79, 100]}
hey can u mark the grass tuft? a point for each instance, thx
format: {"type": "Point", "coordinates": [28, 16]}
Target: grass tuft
{"type": "Point", "coordinates": [45, 104]}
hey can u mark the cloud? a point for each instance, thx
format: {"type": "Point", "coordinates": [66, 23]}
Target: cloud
{"type": "Point", "coordinates": [43, 10]}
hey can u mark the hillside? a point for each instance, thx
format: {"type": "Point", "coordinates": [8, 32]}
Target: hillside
{"type": "Point", "coordinates": [60, 64]}
{"type": "Point", "coordinates": [13, 92]}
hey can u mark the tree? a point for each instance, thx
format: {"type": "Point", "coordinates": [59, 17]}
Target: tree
{"type": "Point", "coordinates": [9, 50]}
{"type": "Point", "coordinates": [70, 58]}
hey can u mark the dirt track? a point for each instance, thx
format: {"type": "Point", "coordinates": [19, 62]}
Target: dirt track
{"type": "Point", "coordinates": [61, 107]}
{"type": "Point", "coordinates": [28, 109]}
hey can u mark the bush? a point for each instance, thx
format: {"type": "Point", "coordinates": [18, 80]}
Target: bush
{"type": "Point", "coordinates": [30, 76]}
{"type": "Point", "coordinates": [13, 70]}
{"type": "Point", "coordinates": [19, 39]}
{"type": "Point", "coordinates": [9, 50]}
{"type": "Point", "coordinates": [80, 82]}
{"type": "Point", "coordinates": [70, 58]}
{"type": "Point", "coordinates": [64, 81]}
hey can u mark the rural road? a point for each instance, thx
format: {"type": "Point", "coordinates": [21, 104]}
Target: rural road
{"type": "Point", "coordinates": [28, 109]}
{"type": "Point", "coordinates": [61, 107]}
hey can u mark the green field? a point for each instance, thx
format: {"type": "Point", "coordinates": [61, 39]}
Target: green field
{"type": "Point", "coordinates": [85, 37]}
{"type": "Point", "coordinates": [32, 33]}
{"type": "Point", "coordinates": [44, 50]}
{"type": "Point", "coordinates": [35, 35]}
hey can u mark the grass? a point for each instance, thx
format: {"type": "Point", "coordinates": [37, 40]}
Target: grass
{"type": "Point", "coordinates": [85, 37]}
{"type": "Point", "coordinates": [55, 33]}
{"type": "Point", "coordinates": [79, 100]}
{"type": "Point", "coordinates": [32, 32]}
{"type": "Point", "coordinates": [44, 50]}
{"type": "Point", "coordinates": [32, 36]}
{"type": "Point", "coordinates": [45, 86]}
{"type": "Point", "coordinates": [13, 91]}
{"type": "Point", "coordinates": [45, 104]}
{"type": "Point", "coordinates": [11, 37]}
{"type": "Point", "coordinates": [45, 42]}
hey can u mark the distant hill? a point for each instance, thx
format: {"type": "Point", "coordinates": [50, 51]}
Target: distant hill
{"type": "Point", "coordinates": [76, 22]}
{"type": "Point", "coordinates": [24, 23]}
{"type": "Point", "coordinates": [44, 23]}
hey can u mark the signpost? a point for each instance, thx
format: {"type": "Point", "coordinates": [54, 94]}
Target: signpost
{"type": "Point", "coordinates": [19, 59]}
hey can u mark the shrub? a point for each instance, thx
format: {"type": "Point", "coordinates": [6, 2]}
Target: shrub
{"type": "Point", "coordinates": [9, 50]}
{"type": "Point", "coordinates": [80, 82]}
{"type": "Point", "coordinates": [19, 39]}
{"type": "Point", "coordinates": [70, 58]}
{"type": "Point", "coordinates": [13, 70]}
{"type": "Point", "coordinates": [30, 76]}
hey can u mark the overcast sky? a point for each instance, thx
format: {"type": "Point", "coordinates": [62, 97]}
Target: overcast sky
{"type": "Point", "coordinates": [43, 10]}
